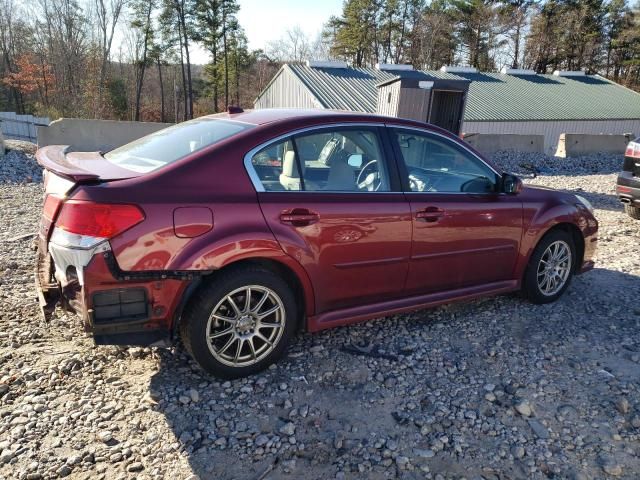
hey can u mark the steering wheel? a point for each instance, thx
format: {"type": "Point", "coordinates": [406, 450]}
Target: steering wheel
{"type": "Point", "coordinates": [418, 181]}
{"type": "Point", "coordinates": [371, 181]}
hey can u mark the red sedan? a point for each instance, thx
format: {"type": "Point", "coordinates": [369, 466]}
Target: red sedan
{"type": "Point", "coordinates": [235, 230]}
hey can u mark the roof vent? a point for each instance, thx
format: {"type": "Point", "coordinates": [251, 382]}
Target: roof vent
{"type": "Point", "coordinates": [452, 69]}
{"type": "Point", "coordinates": [393, 66]}
{"type": "Point", "coordinates": [516, 71]}
{"type": "Point", "coordinates": [569, 73]}
{"type": "Point", "coordinates": [326, 64]}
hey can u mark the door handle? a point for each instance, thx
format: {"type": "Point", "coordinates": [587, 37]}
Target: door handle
{"type": "Point", "coordinates": [299, 217]}
{"type": "Point", "coordinates": [430, 214]}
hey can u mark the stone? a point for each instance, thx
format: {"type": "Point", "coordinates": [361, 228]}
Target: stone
{"type": "Point", "coordinates": [402, 462]}
{"type": "Point", "coordinates": [523, 407]}
{"type": "Point", "coordinates": [6, 456]}
{"type": "Point", "coordinates": [63, 471]}
{"type": "Point", "coordinates": [288, 429]}
{"type": "Point", "coordinates": [623, 406]}
{"type": "Point", "coordinates": [424, 453]}
{"type": "Point", "coordinates": [194, 395]}
{"type": "Point", "coordinates": [135, 467]}
{"type": "Point", "coordinates": [539, 429]}
{"type": "Point", "coordinates": [517, 451]}
{"type": "Point", "coordinates": [611, 467]}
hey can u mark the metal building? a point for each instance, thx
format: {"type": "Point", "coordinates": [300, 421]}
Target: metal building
{"type": "Point", "coordinates": [511, 101]}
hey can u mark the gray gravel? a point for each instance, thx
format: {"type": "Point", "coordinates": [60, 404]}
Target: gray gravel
{"type": "Point", "coordinates": [492, 389]}
{"type": "Point", "coordinates": [17, 166]}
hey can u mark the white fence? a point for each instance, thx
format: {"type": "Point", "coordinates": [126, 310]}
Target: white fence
{"type": "Point", "coordinates": [20, 127]}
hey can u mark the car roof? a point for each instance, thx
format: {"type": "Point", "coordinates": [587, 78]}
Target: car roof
{"type": "Point", "coordinates": [285, 115]}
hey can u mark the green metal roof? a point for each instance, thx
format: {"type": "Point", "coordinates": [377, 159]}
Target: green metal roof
{"type": "Point", "coordinates": [492, 96]}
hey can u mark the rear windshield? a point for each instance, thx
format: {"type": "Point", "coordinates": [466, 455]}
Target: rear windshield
{"type": "Point", "coordinates": [170, 144]}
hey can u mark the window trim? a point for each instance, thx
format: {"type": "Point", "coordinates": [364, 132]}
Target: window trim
{"type": "Point", "coordinates": [378, 127]}
{"type": "Point", "coordinates": [402, 166]}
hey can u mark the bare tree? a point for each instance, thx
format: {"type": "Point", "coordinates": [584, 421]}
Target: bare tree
{"type": "Point", "coordinates": [293, 46]}
{"type": "Point", "coordinates": [108, 13]}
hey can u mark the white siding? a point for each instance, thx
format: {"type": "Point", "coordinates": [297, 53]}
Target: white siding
{"type": "Point", "coordinates": [286, 91]}
{"type": "Point", "coordinates": [552, 129]}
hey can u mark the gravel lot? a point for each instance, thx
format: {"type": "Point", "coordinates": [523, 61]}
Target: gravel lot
{"type": "Point", "coordinates": [492, 389]}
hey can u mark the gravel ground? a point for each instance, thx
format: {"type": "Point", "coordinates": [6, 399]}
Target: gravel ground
{"type": "Point", "coordinates": [491, 389]}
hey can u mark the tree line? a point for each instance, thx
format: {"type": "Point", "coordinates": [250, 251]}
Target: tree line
{"type": "Point", "coordinates": [598, 36]}
{"type": "Point", "coordinates": [133, 59]}
{"type": "Point", "coordinates": [126, 59]}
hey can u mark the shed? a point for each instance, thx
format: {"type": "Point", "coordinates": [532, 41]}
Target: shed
{"type": "Point", "coordinates": [507, 102]}
{"type": "Point", "coordinates": [424, 98]}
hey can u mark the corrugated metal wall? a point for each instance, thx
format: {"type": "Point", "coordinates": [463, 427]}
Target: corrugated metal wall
{"type": "Point", "coordinates": [286, 91]}
{"type": "Point", "coordinates": [388, 99]}
{"type": "Point", "coordinates": [552, 129]}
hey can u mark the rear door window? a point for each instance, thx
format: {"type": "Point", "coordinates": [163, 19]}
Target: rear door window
{"type": "Point", "coordinates": [277, 167]}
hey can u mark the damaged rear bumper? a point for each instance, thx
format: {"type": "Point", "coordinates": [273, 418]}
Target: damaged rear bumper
{"type": "Point", "coordinates": [117, 308]}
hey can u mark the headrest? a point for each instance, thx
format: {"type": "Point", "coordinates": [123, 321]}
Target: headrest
{"type": "Point", "coordinates": [289, 165]}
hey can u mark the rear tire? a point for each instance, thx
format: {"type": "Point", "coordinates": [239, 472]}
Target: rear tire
{"type": "Point", "coordinates": [550, 268]}
{"type": "Point", "coordinates": [633, 212]}
{"type": "Point", "coordinates": [240, 322]}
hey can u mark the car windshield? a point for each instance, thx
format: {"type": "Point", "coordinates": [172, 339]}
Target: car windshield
{"type": "Point", "coordinates": [171, 144]}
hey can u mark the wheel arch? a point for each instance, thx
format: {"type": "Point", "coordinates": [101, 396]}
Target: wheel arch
{"type": "Point", "coordinates": [576, 235]}
{"type": "Point", "coordinates": [296, 278]}
{"type": "Point", "coordinates": [578, 241]}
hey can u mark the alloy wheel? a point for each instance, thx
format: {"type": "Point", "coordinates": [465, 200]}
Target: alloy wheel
{"type": "Point", "coordinates": [554, 268]}
{"type": "Point", "coordinates": [245, 326]}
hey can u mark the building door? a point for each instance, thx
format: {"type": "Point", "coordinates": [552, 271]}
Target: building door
{"type": "Point", "coordinates": [446, 110]}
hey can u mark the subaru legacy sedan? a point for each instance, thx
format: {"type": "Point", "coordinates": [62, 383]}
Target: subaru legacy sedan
{"type": "Point", "coordinates": [233, 231]}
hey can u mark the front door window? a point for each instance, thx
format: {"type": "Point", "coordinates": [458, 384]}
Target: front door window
{"type": "Point", "coordinates": [438, 165]}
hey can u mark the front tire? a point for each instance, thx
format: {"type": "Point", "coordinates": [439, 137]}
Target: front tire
{"type": "Point", "coordinates": [633, 212]}
{"type": "Point", "coordinates": [550, 268]}
{"type": "Point", "coordinates": [240, 322]}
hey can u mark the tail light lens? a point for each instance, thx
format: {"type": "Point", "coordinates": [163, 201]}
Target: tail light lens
{"type": "Point", "coordinates": [633, 150]}
{"type": "Point", "coordinates": [51, 204]}
{"type": "Point", "coordinates": [101, 220]}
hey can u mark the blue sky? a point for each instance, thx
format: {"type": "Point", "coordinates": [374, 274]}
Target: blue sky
{"type": "Point", "coordinates": [267, 20]}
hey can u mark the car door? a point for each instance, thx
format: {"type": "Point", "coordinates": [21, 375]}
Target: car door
{"type": "Point", "coordinates": [333, 200]}
{"type": "Point", "coordinates": [465, 233]}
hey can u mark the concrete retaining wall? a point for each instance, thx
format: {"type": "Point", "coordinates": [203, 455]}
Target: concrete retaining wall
{"type": "Point", "coordinates": [554, 128]}
{"type": "Point", "coordinates": [575, 144]}
{"type": "Point", "coordinates": [488, 143]}
{"type": "Point", "coordinates": [94, 135]}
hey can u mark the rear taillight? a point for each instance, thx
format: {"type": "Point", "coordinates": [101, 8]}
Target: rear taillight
{"type": "Point", "coordinates": [101, 220]}
{"type": "Point", "coordinates": [51, 205]}
{"type": "Point", "coordinates": [633, 150]}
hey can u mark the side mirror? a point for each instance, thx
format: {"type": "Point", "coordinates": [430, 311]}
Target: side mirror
{"type": "Point", "coordinates": [355, 161]}
{"type": "Point", "coordinates": [511, 184]}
